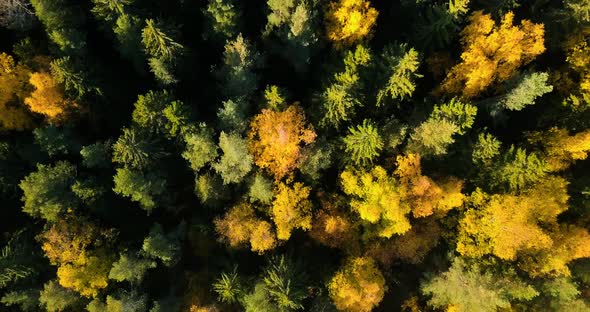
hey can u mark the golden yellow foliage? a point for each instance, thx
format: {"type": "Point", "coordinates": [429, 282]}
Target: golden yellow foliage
{"type": "Point", "coordinates": [87, 275]}
{"type": "Point", "coordinates": [411, 247]}
{"type": "Point", "coordinates": [569, 243]}
{"type": "Point", "coordinates": [504, 225]}
{"type": "Point", "coordinates": [358, 287]}
{"type": "Point", "coordinates": [491, 53]}
{"type": "Point", "coordinates": [263, 237]}
{"type": "Point", "coordinates": [276, 139]}
{"type": "Point", "coordinates": [48, 98]}
{"type": "Point", "coordinates": [67, 240]}
{"type": "Point", "coordinates": [240, 226]}
{"type": "Point", "coordinates": [574, 80]}
{"type": "Point", "coordinates": [291, 209]}
{"type": "Point", "coordinates": [425, 196]}
{"type": "Point", "coordinates": [67, 244]}
{"type": "Point", "coordinates": [14, 88]}
{"type": "Point", "coordinates": [349, 21]}
{"type": "Point", "coordinates": [563, 149]}
{"type": "Point", "coordinates": [377, 200]}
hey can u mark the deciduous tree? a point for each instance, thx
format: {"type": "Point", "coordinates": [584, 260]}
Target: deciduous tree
{"type": "Point", "coordinates": [349, 21]}
{"type": "Point", "coordinates": [48, 98]}
{"type": "Point", "coordinates": [358, 286]}
{"type": "Point", "coordinates": [504, 224]}
{"type": "Point", "coordinates": [14, 88]}
{"type": "Point", "coordinates": [291, 209]}
{"type": "Point", "coordinates": [142, 188]}
{"type": "Point", "coordinates": [276, 139]}
{"type": "Point", "coordinates": [376, 197]}
{"type": "Point", "coordinates": [492, 53]}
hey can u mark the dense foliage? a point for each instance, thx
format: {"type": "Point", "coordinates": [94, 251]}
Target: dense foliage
{"type": "Point", "coordinates": [294, 155]}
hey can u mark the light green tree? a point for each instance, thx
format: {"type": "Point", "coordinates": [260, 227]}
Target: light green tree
{"type": "Point", "coordinates": [340, 99]}
{"type": "Point", "coordinates": [518, 169]}
{"type": "Point", "coordinates": [228, 287]}
{"type": "Point", "coordinates": [235, 162]}
{"type": "Point", "coordinates": [163, 246]}
{"type": "Point", "coordinates": [222, 18]}
{"type": "Point", "coordinates": [400, 65]}
{"type": "Point", "coordinates": [63, 25]}
{"type": "Point", "coordinates": [200, 148]}
{"type": "Point", "coordinates": [485, 149]}
{"type": "Point", "coordinates": [141, 188]}
{"type": "Point", "coordinates": [47, 192]}
{"type": "Point", "coordinates": [55, 298]}
{"type": "Point", "coordinates": [135, 149]}
{"type": "Point", "coordinates": [236, 73]}
{"type": "Point", "coordinates": [363, 143]}
{"type": "Point", "coordinates": [130, 268]}
{"type": "Point", "coordinates": [527, 90]}
{"type": "Point", "coordinates": [469, 288]}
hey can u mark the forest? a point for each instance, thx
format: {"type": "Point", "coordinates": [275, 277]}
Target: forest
{"type": "Point", "coordinates": [294, 155]}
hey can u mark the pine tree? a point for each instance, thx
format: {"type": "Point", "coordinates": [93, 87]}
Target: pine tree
{"type": "Point", "coordinates": [363, 143]}
{"type": "Point", "coordinates": [401, 65]}
{"type": "Point", "coordinates": [527, 90]}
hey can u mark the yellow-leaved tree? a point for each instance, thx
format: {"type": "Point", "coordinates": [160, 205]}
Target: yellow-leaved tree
{"type": "Point", "coordinates": [74, 246]}
{"type": "Point", "coordinates": [14, 88]}
{"type": "Point", "coordinates": [492, 53]}
{"type": "Point", "coordinates": [569, 243]}
{"type": "Point", "coordinates": [240, 226]}
{"type": "Point", "coordinates": [358, 286]}
{"type": "Point", "coordinates": [48, 98]}
{"type": "Point", "coordinates": [349, 21]}
{"type": "Point", "coordinates": [504, 224]}
{"type": "Point", "coordinates": [291, 209]}
{"type": "Point", "coordinates": [424, 195]}
{"type": "Point", "coordinates": [87, 275]}
{"type": "Point", "coordinates": [562, 149]}
{"type": "Point", "coordinates": [376, 198]}
{"type": "Point", "coordinates": [276, 138]}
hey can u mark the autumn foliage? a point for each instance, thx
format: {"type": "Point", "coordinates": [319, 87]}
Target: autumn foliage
{"type": "Point", "coordinates": [358, 287]}
{"type": "Point", "coordinates": [492, 53]}
{"type": "Point", "coordinates": [349, 21]}
{"type": "Point", "coordinates": [240, 226]}
{"type": "Point", "coordinates": [48, 97]}
{"type": "Point", "coordinates": [276, 138]}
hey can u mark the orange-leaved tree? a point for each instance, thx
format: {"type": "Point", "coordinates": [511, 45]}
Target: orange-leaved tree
{"type": "Point", "coordinates": [48, 98]}
{"type": "Point", "coordinates": [276, 138]}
